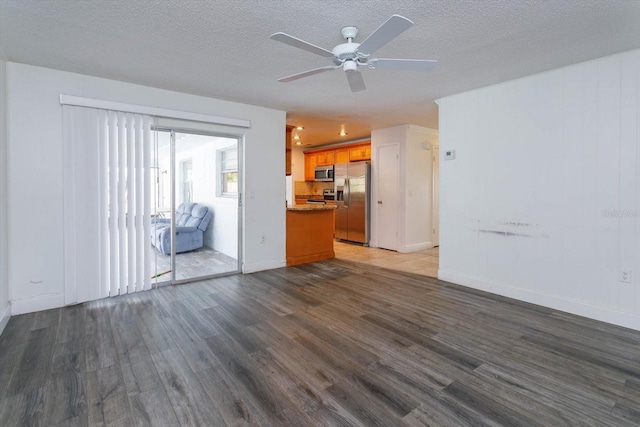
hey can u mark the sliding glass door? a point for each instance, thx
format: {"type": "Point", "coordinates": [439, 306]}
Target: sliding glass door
{"type": "Point", "coordinates": [195, 224]}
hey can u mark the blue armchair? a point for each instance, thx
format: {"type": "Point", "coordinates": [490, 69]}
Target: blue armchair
{"type": "Point", "coordinates": [192, 219]}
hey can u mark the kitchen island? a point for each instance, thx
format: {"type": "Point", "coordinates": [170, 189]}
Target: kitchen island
{"type": "Point", "coordinates": [309, 233]}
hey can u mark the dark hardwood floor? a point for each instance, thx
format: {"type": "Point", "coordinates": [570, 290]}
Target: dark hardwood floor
{"type": "Point", "coordinates": [329, 343]}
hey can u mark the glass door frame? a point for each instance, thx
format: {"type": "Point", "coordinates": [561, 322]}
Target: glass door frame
{"type": "Point", "coordinates": [173, 194]}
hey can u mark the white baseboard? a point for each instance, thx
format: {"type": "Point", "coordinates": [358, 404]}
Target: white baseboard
{"type": "Point", "coordinates": [252, 267]}
{"type": "Point", "coordinates": [39, 303]}
{"type": "Point", "coordinates": [4, 317]}
{"type": "Point", "coordinates": [415, 247]}
{"type": "Point", "coordinates": [603, 314]}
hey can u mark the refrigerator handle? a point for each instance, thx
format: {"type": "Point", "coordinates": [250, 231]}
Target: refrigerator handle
{"type": "Point", "coordinates": [347, 190]}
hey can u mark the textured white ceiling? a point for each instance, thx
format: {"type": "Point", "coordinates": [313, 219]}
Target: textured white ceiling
{"type": "Point", "coordinates": [222, 49]}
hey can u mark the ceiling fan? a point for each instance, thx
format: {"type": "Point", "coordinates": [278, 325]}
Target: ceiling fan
{"type": "Point", "coordinates": [350, 55]}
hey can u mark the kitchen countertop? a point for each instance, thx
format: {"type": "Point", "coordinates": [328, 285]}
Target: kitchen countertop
{"type": "Point", "coordinates": [311, 207]}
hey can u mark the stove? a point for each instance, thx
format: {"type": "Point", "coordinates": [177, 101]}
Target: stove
{"type": "Point", "coordinates": [329, 195]}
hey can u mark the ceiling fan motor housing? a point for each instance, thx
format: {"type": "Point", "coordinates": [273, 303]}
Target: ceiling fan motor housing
{"type": "Point", "coordinates": [347, 52]}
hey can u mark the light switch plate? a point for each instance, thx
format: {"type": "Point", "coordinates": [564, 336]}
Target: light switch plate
{"type": "Point", "coordinates": [449, 154]}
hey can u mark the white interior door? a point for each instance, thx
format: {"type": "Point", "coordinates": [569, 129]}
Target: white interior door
{"type": "Point", "coordinates": [387, 200]}
{"type": "Point", "coordinates": [436, 196]}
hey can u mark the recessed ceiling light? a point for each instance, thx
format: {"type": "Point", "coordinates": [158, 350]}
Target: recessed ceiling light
{"type": "Point", "coordinates": [342, 133]}
{"type": "Point", "coordinates": [299, 128]}
{"type": "Point", "coordinates": [296, 137]}
{"type": "Point", "coordinates": [298, 143]}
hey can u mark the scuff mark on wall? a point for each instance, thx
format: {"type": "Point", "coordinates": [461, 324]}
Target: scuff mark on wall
{"type": "Point", "coordinates": [511, 228]}
{"type": "Point", "coordinates": [518, 224]}
{"type": "Point", "coordinates": [505, 233]}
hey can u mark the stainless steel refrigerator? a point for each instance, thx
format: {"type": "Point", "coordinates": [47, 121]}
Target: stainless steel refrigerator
{"type": "Point", "coordinates": [352, 192]}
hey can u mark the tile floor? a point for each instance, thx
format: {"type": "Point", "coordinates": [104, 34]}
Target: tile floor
{"type": "Point", "coordinates": [424, 262]}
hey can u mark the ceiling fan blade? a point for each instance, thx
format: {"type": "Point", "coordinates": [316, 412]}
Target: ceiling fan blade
{"type": "Point", "coordinates": [356, 82]}
{"type": "Point", "coordinates": [402, 64]}
{"type": "Point", "coordinates": [306, 73]}
{"type": "Point", "coordinates": [386, 32]}
{"type": "Point", "coordinates": [301, 44]}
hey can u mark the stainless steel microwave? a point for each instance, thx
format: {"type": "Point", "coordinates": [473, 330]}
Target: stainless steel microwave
{"type": "Point", "coordinates": [324, 173]}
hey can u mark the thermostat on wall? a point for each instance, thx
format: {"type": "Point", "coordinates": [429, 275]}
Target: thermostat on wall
{"type": "Point", "coordinates": [449, 154]}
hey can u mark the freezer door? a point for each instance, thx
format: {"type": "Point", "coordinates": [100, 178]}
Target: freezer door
{"type": "Point", "coordinates": [342, 193]}
{"type": "Point", "coordinates": [358, 194]}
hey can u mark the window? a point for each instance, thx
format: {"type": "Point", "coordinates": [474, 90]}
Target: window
{"type": "Point", "coordinates": [228, 185]}
{"type": "Point", "coordinates": [187, 181]}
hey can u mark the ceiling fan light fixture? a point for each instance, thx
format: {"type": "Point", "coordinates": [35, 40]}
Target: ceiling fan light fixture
{"type": "Point", "coordinates": [349, 66]}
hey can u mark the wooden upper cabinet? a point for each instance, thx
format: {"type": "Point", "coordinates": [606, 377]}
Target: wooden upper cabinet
{"type": "Point", "coordinates": [325, 158]}
{"type": "Point", "coordinates": [342, 155]}
{"type": "Point", "coordinates": [360, 152]}
{"type": "Point", "coordinates": [287, 151]}
{"type": "Point", "coordinates": [310, 166]}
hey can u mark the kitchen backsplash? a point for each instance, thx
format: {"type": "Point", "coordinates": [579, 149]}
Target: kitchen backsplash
{"type": "Point", "coordinates": [307, 189]}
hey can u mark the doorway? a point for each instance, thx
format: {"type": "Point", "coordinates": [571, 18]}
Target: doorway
{"type": "Point", "coordinates": [196, 205]}
{"type": "Point", "coordinates": [386, 177]}
{"type": "Point", "coordinates": [387, 200]}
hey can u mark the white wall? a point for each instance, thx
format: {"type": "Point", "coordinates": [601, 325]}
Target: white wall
{"type": "Point", "coordinates": [418, 189]}
{"type": "Point", "coordinates": [542, 201]}
{"type": "Point", "coordinates": [35, 173]}
{"type": "Point", "coordinates": [4, 250]}
{"type": "Point", "coordinates": [415, 199]}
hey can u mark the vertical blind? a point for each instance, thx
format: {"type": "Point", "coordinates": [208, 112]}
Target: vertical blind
{"type": "Point", "coordinates": [107, 203]}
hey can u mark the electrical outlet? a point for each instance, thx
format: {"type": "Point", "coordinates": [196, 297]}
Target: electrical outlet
{"type": "Point", "coordinates": [263, 239]}
{"type": "Point", "coordinates": [625, 276]}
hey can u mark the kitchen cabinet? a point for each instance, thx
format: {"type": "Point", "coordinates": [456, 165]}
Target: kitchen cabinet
{"type": "Point", "coordinates": [310, 166]}
{"type": "Point", "coordinates": [360, 152]}
{"type": "Point", "coordinates": [316, 158]}
{"type": "Point", "coordinates": [309, 234]}
{"type": "Point", "coordinates": [287, 151]}
{"type": "Point", "coordinates": [325, 158]}
{"type": "Point", "coordinates": [342, 155]}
